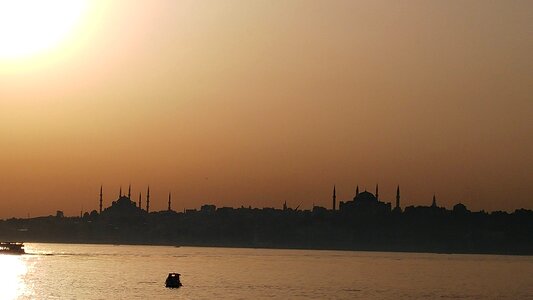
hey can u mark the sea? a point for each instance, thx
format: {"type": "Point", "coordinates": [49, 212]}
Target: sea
{"type": "Point", "coordinates": [73, 271]}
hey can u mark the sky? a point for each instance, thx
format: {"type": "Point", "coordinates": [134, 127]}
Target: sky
{"type": "Point", "coordinates": [259, 102]}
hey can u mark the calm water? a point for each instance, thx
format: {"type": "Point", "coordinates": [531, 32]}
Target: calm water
{"type": "Point", "coordinates": [64, 271]}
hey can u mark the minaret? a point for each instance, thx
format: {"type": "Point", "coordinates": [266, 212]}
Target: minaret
{"type": "Point", "coordinates": [129, 192]}
{"type": "Point", "coordinates": [434, 204]}
{"type": "Point", "coordinates": [334, 198]}
{"type": "Point", "coordinates": [101, 195]}
{"type": "Point", "coordinates": [169, 199]}
{"type": "Point", "coordinates": [398, 197]}
{"type": "Point", "coordinates": [140, 200]}
{"type": "Point", "coordinates": [356, 191]}
{"type": "Point", "coordinates": [148, 200]}
{"type": "Point", "coordinates": [120, 192]}
{"type": "Point", "coordinates": [377, 192]}
{"type": "Point", "coordinates": [285, 205]}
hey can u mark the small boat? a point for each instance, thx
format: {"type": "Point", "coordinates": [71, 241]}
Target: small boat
{"type": "Point", "coordinates": [12, 248]}
{"type": "Point", "coordinates": [173, 280]}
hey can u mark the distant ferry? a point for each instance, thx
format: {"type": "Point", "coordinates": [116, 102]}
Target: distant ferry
{"type": "Point", "coordinates": [12, 248]}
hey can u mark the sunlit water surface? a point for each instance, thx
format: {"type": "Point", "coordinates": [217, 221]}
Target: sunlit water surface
{"type": "Point", "coordinates": [65, 271]}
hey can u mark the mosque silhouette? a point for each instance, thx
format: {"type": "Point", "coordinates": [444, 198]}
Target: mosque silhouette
{"type": "Point", "coordinates": [364, 222]}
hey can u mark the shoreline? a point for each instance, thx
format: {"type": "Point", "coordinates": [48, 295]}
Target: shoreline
{"type": "Point", "coordinates": [524, 254]}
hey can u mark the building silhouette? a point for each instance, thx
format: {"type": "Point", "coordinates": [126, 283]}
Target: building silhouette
{"type": "Point", "coordinates": [397, 208]}
{"type": "Point", "coordinates": [364, 203]}
{"type": "Point", "coordinates": [365, 222]}
{"type": "Point", "coordinates": [101, 199]}
{"type": "Point", "coordinates": [148, 200]}
{"type": "Point", "coordinates": [122, 207]}
{"type": "Point", "coordinates": [334, 199]}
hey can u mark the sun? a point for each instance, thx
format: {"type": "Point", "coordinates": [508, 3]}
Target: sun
{"type": "Point", "coordinates": [31, 27]}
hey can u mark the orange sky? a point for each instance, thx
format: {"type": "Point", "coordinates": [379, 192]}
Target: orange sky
{"type": "Point", "coordinates": [257, 102]}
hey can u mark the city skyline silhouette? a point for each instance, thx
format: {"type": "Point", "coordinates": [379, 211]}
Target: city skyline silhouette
{"type": "Point", "coordinates": [369, 149]}
{"type": "Point", "coordinates": [264, 102]}
{"type": "Point", "coordinates": [365, 222]}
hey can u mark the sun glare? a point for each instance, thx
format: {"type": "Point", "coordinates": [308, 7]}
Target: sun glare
{"type": "Point", "coordinates": [30, 27]}
{"type": "Point", "coordinates": [12, 269]}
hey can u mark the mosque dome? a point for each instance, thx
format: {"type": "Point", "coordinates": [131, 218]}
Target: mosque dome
{"type": "Point", "coordinates": [365, 197]}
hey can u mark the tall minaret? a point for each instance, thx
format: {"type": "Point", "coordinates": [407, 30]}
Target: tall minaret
{"type": "Point", "coordinates": [356, 191]}
{"type": "Point", "coordinates": [101, 199]}
{"type": "Point", "coordinates": [148, 200]}
{"type": "Point", "coordinates": [140, 200]}
{"type": "Point", "coordinates": [434, 204]}
{"type": "Point", "coordinates": [334, 198]}
{"type": "Point", "coordinates": [398, 197]}
{"type": "Point", "coordinates": [377, 192]}
{"type": "Point", "coordinates": [169, 200]}
{"type": "Point", "coordinates": [129, 192]}
{"type": "Point", "coordinates": [120, 192]}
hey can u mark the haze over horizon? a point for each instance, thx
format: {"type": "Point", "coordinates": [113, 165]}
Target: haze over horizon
{"type": "Point", "coordinates": [256, 103]}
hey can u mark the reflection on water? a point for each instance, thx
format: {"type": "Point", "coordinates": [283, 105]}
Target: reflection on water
{"type": "Point", "coordinates": [13, 268]}
{"type": "Point", "coordinates": [66, 271]}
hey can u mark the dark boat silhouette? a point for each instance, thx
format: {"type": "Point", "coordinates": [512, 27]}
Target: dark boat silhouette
{"type": "Point", "coordinates": [173, 280]}
{"type": "Point", "coordinates": [12, 248]}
